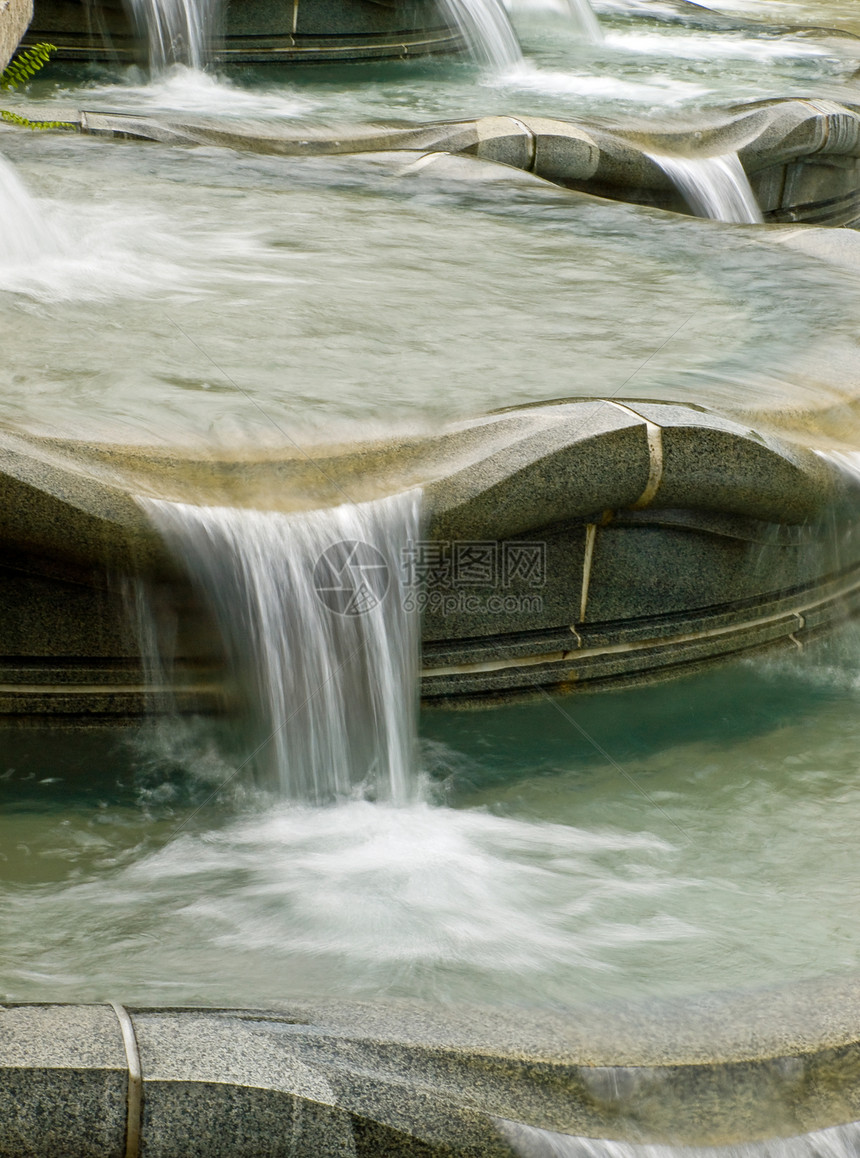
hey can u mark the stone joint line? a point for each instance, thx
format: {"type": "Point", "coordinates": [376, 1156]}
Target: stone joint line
{"type": "Point", "coordinates": [588, 557]}
{"type": "Point", "coordinates": [532, 142]}
{"type": "Point", "coordinates": [134, 1104]}
{"type": "Point", "coordinates": [654, 434]}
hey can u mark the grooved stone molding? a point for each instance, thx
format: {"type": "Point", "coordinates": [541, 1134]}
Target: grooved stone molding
{"type": "Point", "coordinates": [260, 31]}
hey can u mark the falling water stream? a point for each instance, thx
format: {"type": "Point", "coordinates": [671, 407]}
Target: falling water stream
{"type": "Point", "coordinates": [25, 236]}
{"type": "Point", "coordinates": [585, 19]}
{"type": "Point", "coordinates": [176, 31]}
{"type": "Point", "coordinates": [487, 30]}
{"type": "Point", "coordinates": [312, 611]}
{"type": "Point", "coordinates": [715, 187]}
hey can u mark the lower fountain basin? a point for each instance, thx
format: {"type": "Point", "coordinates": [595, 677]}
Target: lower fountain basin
{"type": "Point", "coordinates": [400, 1079]}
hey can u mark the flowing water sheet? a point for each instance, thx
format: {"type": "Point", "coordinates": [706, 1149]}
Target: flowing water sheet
{"type": "Point", "coordinates": [175, 31]}
{"type": "Point", "coordinates": [310, 609]}
{"type": "Point", "coordinates": [714, 187]}
{"type": "Point", "coordinates": [836, 1142]}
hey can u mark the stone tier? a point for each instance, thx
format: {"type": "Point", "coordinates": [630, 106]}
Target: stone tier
{"type": "Point", "coordinates": [256, 32]}
{"type": "Point", "coordinates": [365, 1080]}
{"type": "Point", "coordinates": [802, 157]}
{"type": "Point", "coordinates": [578, 544]}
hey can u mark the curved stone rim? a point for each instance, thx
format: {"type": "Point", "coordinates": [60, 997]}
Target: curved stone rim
{"type": "Point", "coordinates": [802, 155]}
{"type": "Point", "coordinates": [719, 1068]}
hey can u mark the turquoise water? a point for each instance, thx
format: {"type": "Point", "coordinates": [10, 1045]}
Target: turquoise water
{"type": "Point", "coordinates": [713, 848]}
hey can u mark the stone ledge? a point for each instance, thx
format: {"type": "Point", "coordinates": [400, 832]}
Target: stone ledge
{"type": "Point", "coordinates": [341, 1078]}
{"type": "Point", "coordinates": [802, 156]}
{"type": "Point", "coordinates": [15, 17]}
{"type": "Point", "coordinates": [670, 537]}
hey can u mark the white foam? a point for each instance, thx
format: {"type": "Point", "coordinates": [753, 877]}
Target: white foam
{"type": "Point", "coordinates": [714, 47]}
{"type": "Point", "coordinates": [185, 90]}
{"type": "Point", "coordinates": [651, 90]}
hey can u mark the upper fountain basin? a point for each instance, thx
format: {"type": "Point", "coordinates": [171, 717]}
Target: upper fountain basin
{"type": "Point", "coordinates": [802, 156]}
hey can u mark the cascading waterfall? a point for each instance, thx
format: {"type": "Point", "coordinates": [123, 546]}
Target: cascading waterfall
{"type": "Point", "coordinates": [835, 1142]}
{"type": "Point", "coordinates": [578, 12]}
{"type": "Point", "coordinates": [310, 607]}
{"type": "Point", "coordinates": [487, 31]}
{"type": "Point", "coordinates": [176, 31]}
{"type": "Point", "coordinates": [715, 187]}
{"type": "Point", "coordinates": [585, 19]}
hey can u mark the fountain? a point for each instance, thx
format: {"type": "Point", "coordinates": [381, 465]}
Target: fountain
{"type": "Point", "coordinates": [162, 32]}
{"type": "Point", "coordinates": [321, 397]}
{"type": "Point", "coordinates": [545, 589]}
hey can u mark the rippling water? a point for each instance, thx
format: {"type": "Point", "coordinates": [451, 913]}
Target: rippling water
{"type": "Point", "coordinates": [532, 871]}
{"type": "Point", "coordinates": [337, 291]}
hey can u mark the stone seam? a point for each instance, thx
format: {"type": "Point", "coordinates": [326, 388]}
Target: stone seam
{"type": "Point", "coordinates": [134, 1106]}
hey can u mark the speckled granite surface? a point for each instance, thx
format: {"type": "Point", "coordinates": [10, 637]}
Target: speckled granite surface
{"type": "Point", "coordinates": [410, 1079]}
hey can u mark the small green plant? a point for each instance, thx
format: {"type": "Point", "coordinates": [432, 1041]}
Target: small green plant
{"type": "Point", "coordinates": [18, 71]}
{"type": "Point", "coordinates": [25, 65]}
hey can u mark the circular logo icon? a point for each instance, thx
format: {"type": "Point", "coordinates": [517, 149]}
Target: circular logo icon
{"type": "Point", "coordinates": [351, 577]}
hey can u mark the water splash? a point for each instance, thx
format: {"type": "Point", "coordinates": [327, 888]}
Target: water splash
{"type": "Point", "coordinates": [78, 251]}
{"type": "Point", "coordinates": [25, 234]}
{"type": "Point", "coordinates": [487, 31]}
{"type": "Point", "coordinates": [279, 901]}
{"type": "Point", "coordinates": [715, 187]}
{"type": "Point", "coordinates": [310, 609]}
{"type": "Point", "coordinates": [835, 1142]}
{"type": "Point", "coordinates": [175, 31]}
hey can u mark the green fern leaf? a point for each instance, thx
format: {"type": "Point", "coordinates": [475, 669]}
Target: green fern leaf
{"type": "Point", "coordinates": [18, 71]}
{"type": "Point", "coordinates": [25, 123]}
{"type": "Point", "coordinates": [25, 65]}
